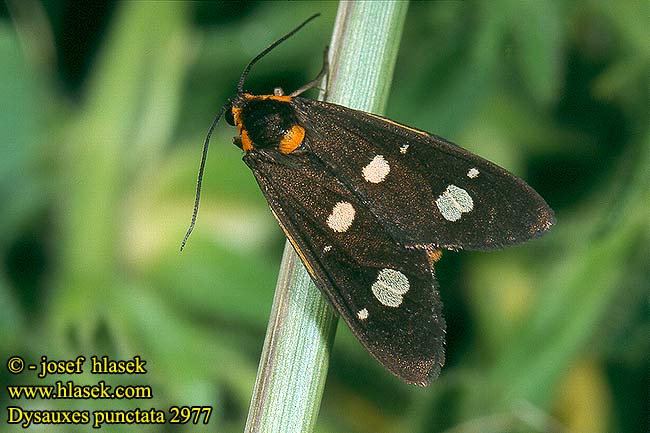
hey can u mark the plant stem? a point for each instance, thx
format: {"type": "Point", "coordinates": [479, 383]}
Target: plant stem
{"type": "Point", "coordinates": [293, 368]}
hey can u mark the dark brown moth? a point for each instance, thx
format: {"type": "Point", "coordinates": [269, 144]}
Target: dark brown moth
{"type": "Point", "coordinates": [369, 204]}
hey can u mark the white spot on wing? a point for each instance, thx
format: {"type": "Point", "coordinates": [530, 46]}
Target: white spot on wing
{"type": "Point", "coordinates": [341, 217]}
{"type": "Point", "coordinates": [390, 286]}
{"type": "Point", "coordinates": [403, 149]}
{"type": "Point", "coordinates": [473, 173]}
{"type": "Point", "coordinates": [327, 248]}
{"type": "Point", "coordinates": [453, 202]}
{"type": "Point", "coordinates": [362, 314]}
{"type": "Point", "coordinates": [377, 170]}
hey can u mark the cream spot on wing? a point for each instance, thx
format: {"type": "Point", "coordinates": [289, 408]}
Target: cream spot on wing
{"type": "Point", "coordinates": [327, 248]}
{"type": "Point", "coordinates": [362, 314]}
{"type": "Point", "coordinates": [341, 217]}
{"type": "Point", "coordinates": [403, 149]}
{"type": "Point", "coordinates": [473, 173]}
{"type": "Point", "coordinates": [377, 170]}
{"type": "Point", "coordinates": [453, 202]}
{"type": "Point", "coordinates": [390, 286]}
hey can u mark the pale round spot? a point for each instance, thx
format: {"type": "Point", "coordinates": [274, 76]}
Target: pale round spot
{"type": "Point", "coordinates": [447, 208]}
{"type": "Point", "coordinates": [390, 286]}
{"type": "Point", "coordinates": [453, 202]}
{"type": "Point", "coordinates": [327, 248]}
{"type": "Point", "coordinates": [362, 314]}
{"type": "Point", "coordinates": [403, 149]}
{"type": "Point", "coordinates": [341, 217]}
{"type": "Point", "coordinates": [377, 170]}
{"type": "Point", "coordinates": [473, 173]}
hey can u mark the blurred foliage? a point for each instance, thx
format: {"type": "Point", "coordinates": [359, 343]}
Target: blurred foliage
{"type": "Point", "coordinates": [105, 106]}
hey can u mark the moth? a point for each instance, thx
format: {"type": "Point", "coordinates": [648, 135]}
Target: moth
{"type": "Point", "coordinates": [369, 204]}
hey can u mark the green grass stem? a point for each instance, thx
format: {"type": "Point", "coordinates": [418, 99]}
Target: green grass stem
{"type": "Point", "coordinates": [301, 329]}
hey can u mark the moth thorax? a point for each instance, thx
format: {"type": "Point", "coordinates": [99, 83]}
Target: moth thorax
{"type": "Point", "coordinates": [267, 122]}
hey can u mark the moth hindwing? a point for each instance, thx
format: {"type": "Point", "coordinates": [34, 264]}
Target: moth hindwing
{"type": "Point", "coordinates": [369, 204]}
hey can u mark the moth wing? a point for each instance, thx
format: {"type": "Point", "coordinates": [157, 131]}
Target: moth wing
{"type": "Point", "coordinates": [426, 190]}
{"type": "Point", "coordinates": [385, 292]}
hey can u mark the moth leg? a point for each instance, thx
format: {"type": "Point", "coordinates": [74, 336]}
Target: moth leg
{"type": "Point", "coordinates": [313, 83]}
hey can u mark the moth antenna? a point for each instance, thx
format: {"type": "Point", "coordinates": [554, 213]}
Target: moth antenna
{"type": "Point", "coordinates": [199, 179]}
{"type": "Point", "coordinates": [240, 86]}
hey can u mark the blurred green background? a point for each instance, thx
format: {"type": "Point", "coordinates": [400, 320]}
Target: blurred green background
{"type": "Point", "coordinates": [104, 109]}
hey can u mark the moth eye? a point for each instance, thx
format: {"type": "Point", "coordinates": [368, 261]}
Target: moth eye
{"type": "Point", "coordinates": [230, 118]}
